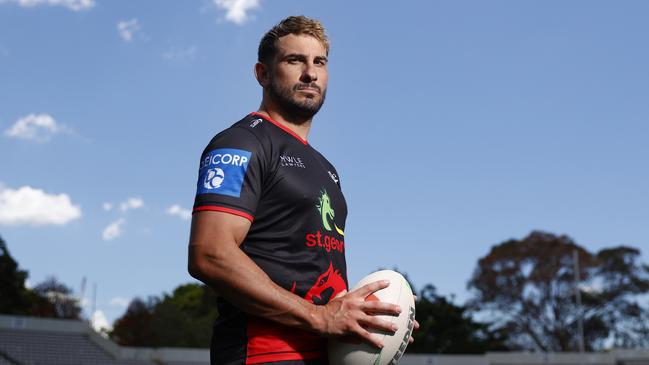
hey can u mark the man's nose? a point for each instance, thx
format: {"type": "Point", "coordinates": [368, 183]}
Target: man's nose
{"type": "Point", "coordinates": [309, 73]}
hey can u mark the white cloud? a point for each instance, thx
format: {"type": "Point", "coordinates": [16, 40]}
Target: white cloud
{"type": "Point", "coordinates": [131, 203]}
{"type": "Point", "coordinates": [113, 230]}
{"type": "Point", "coordinates": [236, 11]}
{"type": "Point", "coordinates": [36, 207]}
{"type": "Point", "coordinates": [99, 322]}
{"type": "Point", "coordinates": [180, 53]}
{"type": "Point", "coordinates": [180, 212]}
{"type": "Point", "coordinates": [128, 28]}
{"type": "Point", "coordinates": [35, 127]}
{"type": "Point", "coordinates": [120, 302]}
{"type": "Point", "coordinates": [74, 5]}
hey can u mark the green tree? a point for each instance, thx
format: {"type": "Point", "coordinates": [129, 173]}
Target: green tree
{"type": "Point", "coordinates": [54, 299]}
{"type": "Point", "coordinates": [134, 327]}
{"type": "Point", "coordinates": [623, 278]}
{"type": "Point", "coordinates": [529, 286]}
{"type": "Point", "coordinates": [48, 299]}
{"type": "Point", "coordinates": [182, 319]}
{"type": "Point", "coordinates": [14, 298]}
{"type": "Point", "coordinates": [447, 328]}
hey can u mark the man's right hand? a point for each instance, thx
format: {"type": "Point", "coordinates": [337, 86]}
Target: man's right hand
{"type": "Point", "coordinates": [349, 314]}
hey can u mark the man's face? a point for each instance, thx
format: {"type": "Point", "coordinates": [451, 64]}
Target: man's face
{"type": "Point", "coordinates": [298, 76]}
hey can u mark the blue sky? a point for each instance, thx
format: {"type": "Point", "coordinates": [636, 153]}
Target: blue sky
{"type": "Point", "coordinates": [454, 126]}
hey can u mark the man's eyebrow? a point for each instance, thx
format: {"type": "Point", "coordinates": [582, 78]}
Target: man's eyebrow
{"type": "Point", "coordinates": [294, 55]}
{"type": "Point", "coordinates": [302, 56]}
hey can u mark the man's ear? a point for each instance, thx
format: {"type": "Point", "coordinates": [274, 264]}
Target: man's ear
{"type": "Point", "coordinates": [262, 74]}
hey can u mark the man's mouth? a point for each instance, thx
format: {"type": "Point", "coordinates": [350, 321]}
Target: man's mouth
{"type": "Point", "coordinates": [308, 88]}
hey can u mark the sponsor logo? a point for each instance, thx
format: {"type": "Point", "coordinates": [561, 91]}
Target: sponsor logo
{"type": "Point", "coordinates": [222, 171]}
{"type": "Point", "coordinates": [406, 337]}
{"type": "Point", "coordinates": [213, 178]}
{"type": "Point", "coordinates": [326, 240]}
{"type": "Point", "coordinates": [226, 156]}
{"type": "Point", "coordinates": [254, 123]}
{"type": "Point", "coordinates": [290, 161]}
{"type": "Point", "coordinates": [333, 177]}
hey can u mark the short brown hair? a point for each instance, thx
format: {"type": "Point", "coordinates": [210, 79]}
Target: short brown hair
{"type": "Point", "coordinates": [291, 25]}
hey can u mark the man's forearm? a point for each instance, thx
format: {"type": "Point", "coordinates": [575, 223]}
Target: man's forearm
{"type": "Point", "coordinates": [215, 257]}
{"type": "Point", "coordinates": [239, 280]}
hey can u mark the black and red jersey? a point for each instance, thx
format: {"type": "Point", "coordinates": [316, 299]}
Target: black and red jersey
{"type": "Point", "coordinates": [261, 170]}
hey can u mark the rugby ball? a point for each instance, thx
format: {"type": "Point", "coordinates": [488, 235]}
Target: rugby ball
{"type": "Point", "coordinates": [350, 352]}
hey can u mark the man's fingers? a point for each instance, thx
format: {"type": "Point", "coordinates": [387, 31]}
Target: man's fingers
{"type": "Point", "coordinates": [381, 308]}
{"type": "Point", "coordinates": [379, 324]}
{"type": "Point", "coordinates": [368, 337]}
{"type": "Point", "coordinates": [370, 288]}
{"type": "Point", "coordinates": [411, 340]}
{"type": "Point", "coordinates": [416, 325]}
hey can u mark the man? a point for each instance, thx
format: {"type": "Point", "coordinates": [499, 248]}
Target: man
{"type": "Point", "coordinates": [269, 217]}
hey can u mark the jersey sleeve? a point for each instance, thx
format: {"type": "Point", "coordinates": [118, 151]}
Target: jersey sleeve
{"type": "Point", "coordinates": [230, 174]}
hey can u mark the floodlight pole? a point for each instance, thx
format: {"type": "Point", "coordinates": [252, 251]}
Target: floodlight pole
{"type": "Point", "coordinates": [580, 319]}
{"type": "Point", "coordinates": [82, 296]}
{"type": "Point", "coordinates": [94, 303]}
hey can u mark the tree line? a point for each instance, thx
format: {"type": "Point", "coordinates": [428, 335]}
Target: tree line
{"type": "Point", "coordinates": [47, 299]}
{"type": "Point", "coordinates": [523, 290]}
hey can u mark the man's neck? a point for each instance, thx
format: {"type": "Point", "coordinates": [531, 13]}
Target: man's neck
{"type": "Point", "coordinates": [301, 128]}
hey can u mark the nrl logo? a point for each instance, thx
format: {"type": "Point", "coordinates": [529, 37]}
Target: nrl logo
{"type": "Point", "coordinates": [333, 177]}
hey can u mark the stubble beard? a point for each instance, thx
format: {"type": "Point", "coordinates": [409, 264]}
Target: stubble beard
{"type": "Point", "coordinates": [296, 111]}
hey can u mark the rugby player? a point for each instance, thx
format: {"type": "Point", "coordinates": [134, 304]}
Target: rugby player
{"type": "Point", "coordinates": [268, 221]}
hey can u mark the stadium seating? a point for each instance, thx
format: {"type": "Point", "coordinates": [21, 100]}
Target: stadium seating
{"type": "Point", "coordinates": [39, 341]}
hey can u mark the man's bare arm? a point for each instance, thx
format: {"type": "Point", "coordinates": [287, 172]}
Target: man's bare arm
{"type": "Point", "coordinates": [216, 259]}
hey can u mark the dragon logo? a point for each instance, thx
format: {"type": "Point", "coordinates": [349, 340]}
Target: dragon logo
{"type": "Point", "coordinates": [327, 212]}
{"type": "Point", "coordinates": [326, 286]}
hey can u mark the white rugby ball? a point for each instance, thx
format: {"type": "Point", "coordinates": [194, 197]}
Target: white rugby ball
{"type": "Point", "coordinates": [345, 352]}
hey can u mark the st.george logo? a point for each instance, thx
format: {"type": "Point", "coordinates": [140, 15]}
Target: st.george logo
{"type": "Point", "coordinates": [327, 239]}
{"type": "Point", "coordinates": [223, 171]}
{"type": "Point", "coordinates": [327, 212]}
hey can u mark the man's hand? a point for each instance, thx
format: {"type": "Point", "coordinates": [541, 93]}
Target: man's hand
{"type": "Point", "coordinates": [350, 314]}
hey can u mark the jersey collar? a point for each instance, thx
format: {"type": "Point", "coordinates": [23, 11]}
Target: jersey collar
{"type": "Point", "coordinates": [282, 127]}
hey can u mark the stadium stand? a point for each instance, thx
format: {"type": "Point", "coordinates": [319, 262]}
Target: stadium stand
{"type": "Point", "coordinates": [39, 341]}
